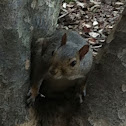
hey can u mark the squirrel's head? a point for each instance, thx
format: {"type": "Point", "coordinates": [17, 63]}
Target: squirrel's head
{"type": "Point", "coordinates": [66, 60]}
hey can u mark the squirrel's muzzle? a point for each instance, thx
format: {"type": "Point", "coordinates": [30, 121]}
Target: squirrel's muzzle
{"type": "Point", "coordinates": [53, 71]}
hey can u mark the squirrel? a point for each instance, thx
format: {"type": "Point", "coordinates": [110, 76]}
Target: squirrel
{"type": "Point", "coordinates": [64, 55]}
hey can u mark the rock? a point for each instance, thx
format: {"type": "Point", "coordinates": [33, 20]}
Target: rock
{"type": "Point", "coordinates": [105, 81]}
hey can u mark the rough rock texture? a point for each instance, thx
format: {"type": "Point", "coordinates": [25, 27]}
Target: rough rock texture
{"type": "Point", "coordinates": [44, 16]}
{"type": "Point", "coordinates": [19, 19]}
{"type": "Point", "coordinates": [107, 95]}
{"type": "Point", "coordinates": [14, 61]}
{"type": "Point", "coordinates": [105, 103]}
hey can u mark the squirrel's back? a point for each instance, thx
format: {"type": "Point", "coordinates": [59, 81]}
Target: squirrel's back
{"type": "Point", "coordinates": [74, 40]}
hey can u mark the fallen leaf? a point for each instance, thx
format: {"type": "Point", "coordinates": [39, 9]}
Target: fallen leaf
{"type": "Point", "coordinates": [92, 40]}
{"type": "Point", "coordinates": [64, 5]}
{"type": "Point", "coordinates": [94, 34]}
{"type": "Point", "coordinates": [102, 40]}
{"type": "Point", "coordinates": [86, 30]}
{"type": "Point", "coordinates": [86, 25]}
{"type": "Point", "coordinates": [119, 3]}
{"type": "Point", "coordinates": [95, 23]}
{"type": "Point", "coordinates": [83, 5]}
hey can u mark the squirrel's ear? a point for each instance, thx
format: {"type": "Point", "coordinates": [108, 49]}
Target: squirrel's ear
{"type": "Point", "coordinates": [83, 51]}
{"type": "Point", "coordinates": [64, 39]}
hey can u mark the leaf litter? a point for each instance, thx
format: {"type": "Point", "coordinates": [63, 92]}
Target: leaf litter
{"type": "Point", "coordinates": [92, 19]}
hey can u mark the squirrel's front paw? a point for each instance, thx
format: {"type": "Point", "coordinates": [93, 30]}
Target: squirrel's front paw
{"type": "Point", "coordinates": [31, 97]}
{"type": "Point", "coordinates": [80, 98]}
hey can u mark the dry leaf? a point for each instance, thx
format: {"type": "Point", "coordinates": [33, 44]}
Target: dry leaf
{"type": "Point", "coordinates": [119, 3]}
{"type": "Point", "coordinates": [86, 30]}
{"type": "Point", "coordinates": [94, 34]}
{"type": "Point", "coordinates": [95, 23]}
{"type": "Point", "coordinates": [92, 40]}
{"type": "Point", "coordinates": [64, 5]}
{"type": "Point", "coordinates": [86, 25]}
{"type": "Point", "coordinates": [83, 5]}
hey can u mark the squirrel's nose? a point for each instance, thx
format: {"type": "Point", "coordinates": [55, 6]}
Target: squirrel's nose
{"type": "Point", "coordinates": [53, 72]}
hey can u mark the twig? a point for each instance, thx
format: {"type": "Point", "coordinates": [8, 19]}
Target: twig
{"type": "Point", "coordinates": [63, 15]}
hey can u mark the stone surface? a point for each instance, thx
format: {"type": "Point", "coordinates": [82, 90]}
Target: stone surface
{"type": "Point", "coordinates": [14, 53]}
{"type": "Point", "coordinates": [44, 16]}
{"type": "Point", "coordinates": [20, 21]}
{"type": "Point", "coordinates": [107, 97]}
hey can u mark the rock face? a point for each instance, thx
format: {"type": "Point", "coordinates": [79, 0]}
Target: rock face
{"type": "Point", "coordinates": [107, 96]}
{"type": "Point", "coordinates": [44, 16]}
{"type": "Point", "coordinates": [14, 61]}
{"type": "Point", "coordinates": [19, 22]}
{"type": "Point", "coordinates": [105, 103]}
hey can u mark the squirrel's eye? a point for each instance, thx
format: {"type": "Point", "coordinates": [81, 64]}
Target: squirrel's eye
{"type": "Point", "coordinates": [52, 53]}
{"type": "Point", "coordinates": [73, 63]}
